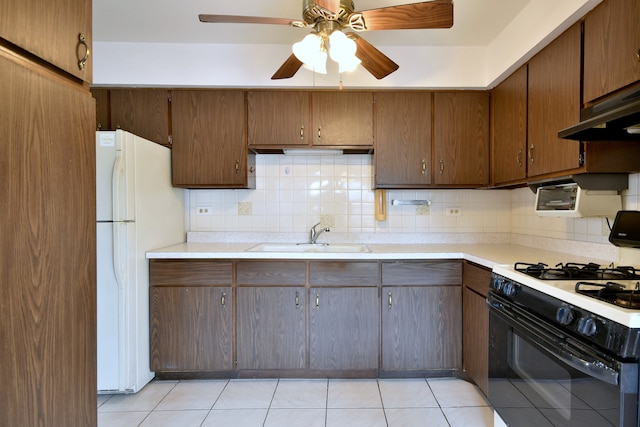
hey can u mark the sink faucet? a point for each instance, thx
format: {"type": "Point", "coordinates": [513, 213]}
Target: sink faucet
{"type": "Point", "coordinates": [313, 234]}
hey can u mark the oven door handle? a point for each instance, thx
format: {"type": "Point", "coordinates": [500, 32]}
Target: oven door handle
{"type": "Point", "coordinates": [562, 349]}
{"type": "Point", "coordinates": [591, 368]}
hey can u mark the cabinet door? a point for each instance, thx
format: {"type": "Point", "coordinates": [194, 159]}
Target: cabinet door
{"type": "Point", "coordinates": [476, 338]}
{"type": "Point", "coordinates": [278, 118]}
{"type": "Point", "coordinates": [461, 138]}
{"type": "Point", "coordinates": [50, 30]}
{"type": "Point", "coordinates": [191, 328]}
{"type": "Point", "coordinates": [143, 112]}
{"type": "Point", "coordinates": [342, 118]}
{"type": "Point", "coordinates": [421, 327]}
{"type": "Point", "coordinates": [509, 118]}
{"type": "Point", "coordinates": [209, 140]}
{"type": "Point", "coordinates": [554, 104]}
{"type": "Point", "coordinates": [344, 328]}
{"type": "Point", "coordinates": [48, 246]}
{"type": "Point", "coordinates": [403, 139]}
{"type": "Point", "coordinates": [611, 47]}
{"type": "Point", "coordinates": [271, 328]}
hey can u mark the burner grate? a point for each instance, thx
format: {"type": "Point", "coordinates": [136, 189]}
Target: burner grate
{"type": "Point", "coordinates": [577, 271]}
{"type": "Point", "coordinates": [611, 292]}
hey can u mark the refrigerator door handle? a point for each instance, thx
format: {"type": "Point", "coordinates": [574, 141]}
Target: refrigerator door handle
{"type": "Point", "coordinates": [118, 171]}
{"type": "Point", "coordinates": [118, 266]}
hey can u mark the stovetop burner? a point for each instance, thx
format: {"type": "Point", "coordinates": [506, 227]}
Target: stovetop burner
{"type": "Point", "coordinates": [611, 292]}
{"type": "Point", "coordinates": [576, 271]}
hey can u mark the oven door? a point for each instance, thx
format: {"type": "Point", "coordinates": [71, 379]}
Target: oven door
{"type": "Point", "coordinates": [540, 376]}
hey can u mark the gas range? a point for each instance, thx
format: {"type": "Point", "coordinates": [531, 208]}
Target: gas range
{"type": "Point", "coordinates": [564, 290]}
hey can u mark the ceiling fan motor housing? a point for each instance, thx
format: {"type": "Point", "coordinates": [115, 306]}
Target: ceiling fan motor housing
{"type": "Point", "coordinates": [312, 13]}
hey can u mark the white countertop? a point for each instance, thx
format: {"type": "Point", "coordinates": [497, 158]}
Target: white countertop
{"type": "Point", "coordinates": [485, 254]}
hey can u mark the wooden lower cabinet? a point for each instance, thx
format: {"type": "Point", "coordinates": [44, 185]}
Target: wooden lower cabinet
{"type": "Point", "coordinates": [271, 327]}
{"type": "Point", "coordinates": [344, 328]}
{"type": "Point", "coordinates": [421, 328]}
{"type": "Point", "coordinates": [475, 328]}
{"type": "Point", "coordinates": [191, 328]}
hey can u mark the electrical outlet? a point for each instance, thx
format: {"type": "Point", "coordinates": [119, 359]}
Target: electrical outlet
{"type": "Point", "coordinates": [453, 212]}
{"type": "Point", "coordinates": [203, 210]}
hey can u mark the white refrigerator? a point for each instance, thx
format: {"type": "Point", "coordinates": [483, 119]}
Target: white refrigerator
{"type": "Point", "coordinates": [137, 210]}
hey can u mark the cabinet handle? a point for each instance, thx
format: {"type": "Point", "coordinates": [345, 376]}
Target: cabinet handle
{"type": "Point", "coordinates": [237, 166]}
{"type": "Point", "coordinates": [297, 300]}
{"type": "Point", "coordinates": [301, 132]}
{"type": "Point", "coordinates": [319, 136]}
{"type": "Point", "coordinates": [317, 300]}
{"type": "Point", "coordinates": [424, 166]}
{"type": "Point", "coordinates": [390, 300]}
{"type": "Point", "coordinates": [441, 166]}
{"type": "Point", "coordinates": [82, 41]}
{"type": "Point", "coordinates": [638, 55]}
{"type": "Point", "coordinates": [223, 299]}
{"type": "Point", "coordinates": [519, 158]}
{"type": "Point", "coordinates": [531, 152]}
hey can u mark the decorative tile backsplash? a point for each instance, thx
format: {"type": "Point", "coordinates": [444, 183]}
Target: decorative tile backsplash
{"type": "Point", "coordinates": [295, 192]}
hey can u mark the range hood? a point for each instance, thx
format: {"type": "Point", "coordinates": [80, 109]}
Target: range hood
{"type": "Point", "coordinates": [614, 119]}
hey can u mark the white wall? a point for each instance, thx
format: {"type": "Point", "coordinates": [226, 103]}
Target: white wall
{"type": "Point", "coordinates": [235, 65]}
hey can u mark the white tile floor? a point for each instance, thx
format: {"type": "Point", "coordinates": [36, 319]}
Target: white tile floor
{"type": "Point", "coordinates": [445, 402]}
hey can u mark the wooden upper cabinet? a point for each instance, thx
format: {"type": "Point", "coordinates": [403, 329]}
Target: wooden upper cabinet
{"type": "Point", "coordinates": [143, 112]}
{"type": "Point", "coordinates": [209, 140]}
{"type": "Point", "coordinates": [278, 118]}
{"type": "Point", "coordinates": [50, 30]}
{"type": "Point", "coordinates": [103, 109]}
{"type": "Point", "coordinates": [342, 118]}
{"type": "Point", "coordinates": [554, 104]}
{"type": "Point", "coordinates": [509, 120]}
{"type": "Point", "coordinates": [611, 47]}
{"type": "Point", "coordinates": [403, 139]}
{"type": "Point", "coordinates": [461, 138]}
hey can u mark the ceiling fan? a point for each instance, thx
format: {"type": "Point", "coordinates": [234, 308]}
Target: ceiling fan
{"type": "Point", "coordinates": [328, 16]}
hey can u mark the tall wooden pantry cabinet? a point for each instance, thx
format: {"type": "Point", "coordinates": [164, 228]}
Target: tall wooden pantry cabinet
{"type": "Point", "coordinates": [47, 220]}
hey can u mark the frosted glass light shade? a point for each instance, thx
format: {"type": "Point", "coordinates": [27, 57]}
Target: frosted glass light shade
{"type": "Point", "coordinates": [309, 51]}
{"type": "Point", "coordinates": [343, 51]}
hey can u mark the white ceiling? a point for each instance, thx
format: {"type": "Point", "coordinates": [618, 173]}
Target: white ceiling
{"type": "Point", "coordinates": [476, 22]}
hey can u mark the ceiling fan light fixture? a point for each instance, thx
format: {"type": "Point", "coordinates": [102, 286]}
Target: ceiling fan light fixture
{"type": "Point", "coordinates": [312, 53]}
{"type": "Point", "coordinates": [343, 51]}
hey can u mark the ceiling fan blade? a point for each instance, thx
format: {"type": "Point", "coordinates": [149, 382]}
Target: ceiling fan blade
{"type": "Point", "coordinates": [330, 5]}
{"type": "Point", "coordinates": [374, 61]}
{"type": "Point", "coordinates": [429, 14]}
{"type": "Point", "coordinates": [236, 19]}
{"type": "Point", "coordinates": [288, 69]}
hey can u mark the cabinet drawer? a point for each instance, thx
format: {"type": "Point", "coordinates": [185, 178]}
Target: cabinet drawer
{"type": "Point", "coordinates": [477, 278]}
{"type": "Point", "coordinates": [189, 273]}
{"type": "Point", "coordinates": [271, 273]}
{"type": "Point", "coordinates": [343, 273]}
{"type": "Point", "coordinates": [420, 273]}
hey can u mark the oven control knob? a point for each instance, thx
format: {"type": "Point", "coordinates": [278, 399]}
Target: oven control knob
{"type": "Point", "coordinates": [498, 284]}
{"type": "Point", "coordinates": [565, 316]}
{"type": "Point", "coordinates": [510, 289]}
{"type": "Point", "coordinates": [587, 326]}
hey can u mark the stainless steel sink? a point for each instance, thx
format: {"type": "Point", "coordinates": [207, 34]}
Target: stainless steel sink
{"type": "Point", "coordinates": [310, 247]}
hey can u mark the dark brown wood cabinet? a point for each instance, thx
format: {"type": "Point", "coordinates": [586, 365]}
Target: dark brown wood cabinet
{"type": "Point", "coordinates": [342, 119]}
{"type": "Point", "coordinates": [403, 139]}
{"type": "Point", "coordinates": [509, 124]}
{"type": "Point", "coordinates": [554, 104]}
{"type": "Point", "coordinates": [461, 139]}
{"type": "Point", "coordinates": [611, 48]}
{"type": "Point", "coordinates": [344, 316]}
{"type": "Point", "coordinates": [143, 112]}
{"type": "Point", "coordinates": [421, 316]}
{"type": "Point", "coordinates": [191, 315]}
{"type": "Point", "coordinates": [51, 30]}
{"type": "Point", "coordinates": [475, 331]}
{"type": "Point", "coordinates": [278, 118]}
{"type": "Point", "coordinates": [271, 321]}
{"type": "Point", "coordinates": [209, 140]}
{"type": "Point", "coordinates": [48, 244]}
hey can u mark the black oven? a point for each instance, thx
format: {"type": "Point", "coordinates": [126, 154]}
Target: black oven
{"type": "Point", "coordinates": [541, 374]}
